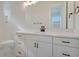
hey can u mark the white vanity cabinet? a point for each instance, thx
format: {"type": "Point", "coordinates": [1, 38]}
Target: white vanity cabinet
{"type": "Point", "coordinates": [65, 47]}
{"type": "Point", "coordinates": [38, 46]}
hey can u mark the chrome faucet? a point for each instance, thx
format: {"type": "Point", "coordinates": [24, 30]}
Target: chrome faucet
{"type": "Point", "coordinates": [42, 29]}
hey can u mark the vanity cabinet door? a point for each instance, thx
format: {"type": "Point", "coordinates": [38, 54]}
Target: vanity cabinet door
{"type": "Point", "coordinates": [38, 49]}
{"type": "Point", "coordinates": [31, 48]}
{"type": "Point", "coordinates": [44, 49]}
{"type": "Point", "coordinates": [38, 46]}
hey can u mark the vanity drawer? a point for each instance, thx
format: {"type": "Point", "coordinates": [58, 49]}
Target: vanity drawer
{"type": "Point", "coordinates": [39, 38]}
{"type": "Point", "coordinates": [64, 51]}
{"type": "Point", "coordinates": [20, 44]}
{"type": "Point", "coordinates": [66, 41]}
{"type": "Point", "coordinates": [20, 49]}
{"type": "Point", "coordinates": [20, 53]}
{"type": "Point", "coordinates": [20, 36]}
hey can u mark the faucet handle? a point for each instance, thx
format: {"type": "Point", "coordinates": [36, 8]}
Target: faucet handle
{"type": "Point", "coordinates": [42, 29]}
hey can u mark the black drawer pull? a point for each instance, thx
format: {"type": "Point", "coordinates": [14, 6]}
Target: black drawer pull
{"type": "Point", "coordinates": [65, 54]}
{"type": "Point", "coordinates": [65, 42]}
{"type": "Point", "coordinates": [35, 45]}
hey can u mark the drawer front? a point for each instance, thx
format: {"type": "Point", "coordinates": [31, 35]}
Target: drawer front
{"type": "Point", "coordinates": [58, 51]}
{"type": "Point", "coordinates": [39, 38]}
{"type": "Point", "coordinates": [20, 53]}
{"type": "Point", "coordinates": [67, 41]}
{"type": "Point", "coordinates": [20, 36]}
{"type": "Point", "coordinates": [20, 44]}
{"type": "Point", "coordinates": [20, 49]}
{"type": "Point", "coordinates": [64, 51]}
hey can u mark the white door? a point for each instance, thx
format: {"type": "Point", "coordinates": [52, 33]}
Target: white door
{"type": "Point", "coordinates": [31, 48]}
{"type": "Point", "coordinates": [44, 49]}
{"type": "Point", "coordinates": [70, 15]}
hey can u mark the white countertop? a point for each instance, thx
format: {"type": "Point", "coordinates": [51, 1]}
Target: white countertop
{"type": "Point", "coordinates": [56, 34]}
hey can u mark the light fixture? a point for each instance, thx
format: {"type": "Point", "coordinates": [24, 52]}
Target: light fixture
{"type": "Point", "coordinates": [27, 3]}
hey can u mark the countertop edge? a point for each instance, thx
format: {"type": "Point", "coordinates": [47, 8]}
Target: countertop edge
{"type": "Point", "coordinates": [55, 34]}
